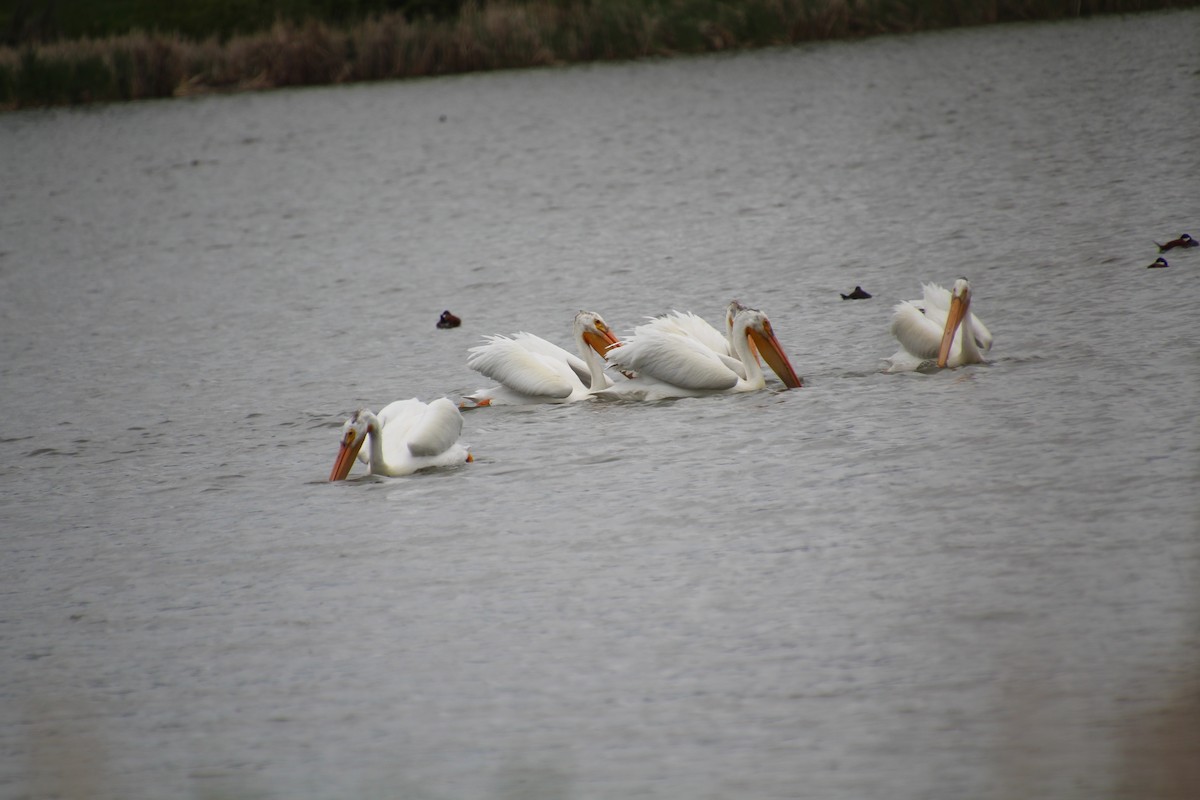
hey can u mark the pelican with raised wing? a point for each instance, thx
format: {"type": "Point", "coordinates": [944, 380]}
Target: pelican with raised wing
{"type": "Point", "coordinates": [406, 436]}
{"type": "Point", "coordinates": [668, 364]}
{"type": "Point", "coordinates": [941, 326]}
{"type": "Point", "coordinates": [533, 370]}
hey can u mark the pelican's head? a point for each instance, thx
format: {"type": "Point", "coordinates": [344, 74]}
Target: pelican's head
{"type": "Point", "coordinates": [592, 328]}
{"type": "Point", "coordinates": [354, 433]}
{"type": "Point", "coordinates": [754, 325]}
{"type": "Point", "coordinates": [960, 304]}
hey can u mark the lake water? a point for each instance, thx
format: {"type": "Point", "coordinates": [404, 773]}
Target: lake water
{"type": "Point", "coordinates": [977, 583]}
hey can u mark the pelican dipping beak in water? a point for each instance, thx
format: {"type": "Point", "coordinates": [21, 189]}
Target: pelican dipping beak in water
{"type": "Point", "coordinates": [406, 436]}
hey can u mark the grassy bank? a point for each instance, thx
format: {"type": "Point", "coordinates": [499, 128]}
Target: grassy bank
{"type": "Point", "coordinates": [301, 49]}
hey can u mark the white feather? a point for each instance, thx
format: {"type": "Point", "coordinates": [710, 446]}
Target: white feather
{"type": "Point", "coordinates": [530, 369]}
{"type": "Point", "coordinates": [916, 332]}
{"type": "Point", "coordinates": [513, 364]}
{"type": "Point", "coordinates": [692, 326]}
{"type": "Point", "coordinates": [676, 360]}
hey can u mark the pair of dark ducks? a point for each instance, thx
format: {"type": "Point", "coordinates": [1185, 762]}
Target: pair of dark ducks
{"type": "Point", "coordinates": [1184, 241]}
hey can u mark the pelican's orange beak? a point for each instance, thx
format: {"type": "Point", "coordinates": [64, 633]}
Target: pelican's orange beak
{"type": "Point", "coordinates": [351, 444]}
{"type": "Point", "coordinates": [601, 340]}
{"type": "Point", "coordinates": [959, 304]}
{"type": "Point", "coordinates": [771, 350]}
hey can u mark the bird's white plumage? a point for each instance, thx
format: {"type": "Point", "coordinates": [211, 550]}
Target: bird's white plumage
{"type": "Point", "coordinates": [425, 430]}
{"type": "Point", "coordinates": [694, 327]}
{"type": "Point", "coordinates": [675, 360]}
{"type": "Point", "coordinates": [525, 371]}
{"type": "Point", "coordinates": [918, 334]}
{"type": "Point", "coordinates": [536, 344]}
{"type": "Point", "coordinates": [685, 323]}
{"type": "Point", "coordinates": [530, 369]}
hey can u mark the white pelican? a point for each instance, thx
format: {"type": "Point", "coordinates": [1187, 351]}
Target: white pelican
{"type": "Point", "coordinates": [532, 370]}
{"type": "Point", "coordinates": [672, 365]}
{"type": "Point", "coordinates": [940, 326]}
{"type": "Point", "coordinates": [408, 435]}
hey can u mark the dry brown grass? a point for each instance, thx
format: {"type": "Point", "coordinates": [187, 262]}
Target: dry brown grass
{"type": "Point", "coordinates": [496, 35]}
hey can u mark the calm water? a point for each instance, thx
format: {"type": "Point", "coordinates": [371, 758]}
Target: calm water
{"type": "Point", "coordinates": [979, 583]}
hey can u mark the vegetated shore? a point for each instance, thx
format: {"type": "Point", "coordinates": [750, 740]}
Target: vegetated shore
{"type": "Point", "coordinates": [500, 34]}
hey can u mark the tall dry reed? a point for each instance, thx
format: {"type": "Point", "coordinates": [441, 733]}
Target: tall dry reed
{"type": "Point", "coordinates": [483, 36]}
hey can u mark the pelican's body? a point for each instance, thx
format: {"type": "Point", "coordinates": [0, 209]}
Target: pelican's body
{"type": "Point", "coordinates": [696, 328]}
{"type": "Point", "coordinates": [939, 327]}
{"type": "Point", "coordinates": [404, 437]}
{"type": "Point", "coordinates": [533, 370]}
{"type": "Point", "coordinates": [672, 364]}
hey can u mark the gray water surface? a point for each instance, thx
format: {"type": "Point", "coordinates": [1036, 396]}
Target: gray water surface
{"type": "Point", "coordinates": [975, 583]}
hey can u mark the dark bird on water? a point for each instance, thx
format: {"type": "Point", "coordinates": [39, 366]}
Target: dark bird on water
{"type": "Point", "coordinates": [857, 294]}
{"type": "Point", "coordinates": [1184, 240]}
{"type": "Point", "coordinates": [1158, 263]}
{"type": "Point", "coordinates": [448, 320]}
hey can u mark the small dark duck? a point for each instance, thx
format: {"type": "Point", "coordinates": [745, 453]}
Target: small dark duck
{"type": "Point", "coordinates": [857, 294]}
{"type": "Point", "coordinates": [1159, 263]}
{"type": "Point", "coordinates": [1184, 240]}
{"type": "Point", "coordinates": [448, 320]}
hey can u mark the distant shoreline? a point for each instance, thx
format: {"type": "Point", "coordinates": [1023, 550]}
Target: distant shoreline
{"type": "Point", "coordinates": [504, 34]}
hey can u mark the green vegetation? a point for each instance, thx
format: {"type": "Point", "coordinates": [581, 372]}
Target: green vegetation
{"type": "Point", "coordinates": [76, 51]}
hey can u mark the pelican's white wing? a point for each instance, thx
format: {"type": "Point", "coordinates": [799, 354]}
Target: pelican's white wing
{"type": "Point", "coordinates": [689, 325]}
{"type": "Point", "coordinates": [916, 332]}
{"type": "Point", "coordinates": [677, 360]}
{"type": "Point", "coordinates": [514, 365]}
{"type": "Point", "coordinates": [536, 344]}
{"type": "Point", "coordinates": [436, 430]}
{"type": "Point", "coordinates": [411, 429]}
{"type": "Point", "coordinates": [685, 323]}
{"type": "Point", "coordinates": [395, 421]}
{"type": "Point", "coordinates": [934, 296]}
{"type": "Point", "coordinates": [983, 337]}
